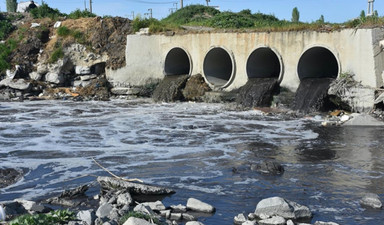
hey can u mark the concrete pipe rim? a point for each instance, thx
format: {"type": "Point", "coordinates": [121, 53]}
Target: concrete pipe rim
{"type": "Point", "coordinates": [278, 56]}
{"type": "Point", "coordinates": [186, 53]}
{"type": "Point", "coordinates": [233, 69]}
{"type": "Point", "coordinates": [331, 50]}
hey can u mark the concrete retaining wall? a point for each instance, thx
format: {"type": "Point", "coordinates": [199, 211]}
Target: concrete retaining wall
{"type": "Point", "coordinates": [356, 51]}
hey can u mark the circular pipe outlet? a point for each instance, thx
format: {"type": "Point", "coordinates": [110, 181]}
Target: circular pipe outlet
{"type": "Point", "coordinates": [218, 67]}
{"type": "Point", "coordinates": [264, 63]}
{"type": "Point", "coordinates": [318, 62]}
{"type": "Point", "coordinates": [177, 62]}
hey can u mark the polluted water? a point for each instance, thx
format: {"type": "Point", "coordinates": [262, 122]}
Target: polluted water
{"type": "Point", "coordinates": [200, 150]}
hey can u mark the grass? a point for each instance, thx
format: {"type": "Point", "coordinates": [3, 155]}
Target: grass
{"type": "Point", "coordinates": [6, 27]}
{"type": "Point", "coordinates": [57, 54]}
{"type": "Point", "coordinates": [77, 14]}
{"type": "Point", "coordinates": [52, 218]}
{"type": "Point", "coordinates": [79, 36]}
{"type": "Point", "coordinates": [5, 51]}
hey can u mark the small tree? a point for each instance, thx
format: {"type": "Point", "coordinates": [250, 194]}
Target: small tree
{"type": "Point", "coordinates": [295, 15]}
{"type": "Point", "coordinates": [321, 19]}
{"type": "Point", "coordinates": [362, 15]}
{"type": "Point", "coordinates": [11, 5]}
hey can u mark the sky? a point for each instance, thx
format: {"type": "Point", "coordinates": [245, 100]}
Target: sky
{"type": "Point", "coordinates": [310, 10]}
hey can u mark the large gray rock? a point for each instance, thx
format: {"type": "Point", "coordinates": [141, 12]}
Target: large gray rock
{"type": "Point", "coordinates": [249, 222]}
{"type": "Point", "coordinates": [18, 84]}
{"type": "Point", "coordinates": [55, 78]}
{"type": "Point", "coordinates": [178, 208]}
{"type": "Point", "coordinates": [363, 120]}
{"type": "Point", "coordinates": [274, 206]}
{"type": "Point", "coordinates": [197, 205]}
{"type": "Point", "coordinates": [371, 200]}
{"type": "Point", "coordinates": [136, 221]}
{"type": "Point", "coordinates": [110, 183]}
{"type": "Point", "coordinates": [87, 216]}
{"type": "Point", "coordinates": [301, 212]}
{"type": "Point", "coordinates": [276, 220]}
{"type": "Point", "coordinates": [104, 210]}
{"type": "Point", "coordinates": [82, 70]}
{"type": "Point", "coordinates": [32, 206]}
{"type": "Point", "coordinates": [35, 76]}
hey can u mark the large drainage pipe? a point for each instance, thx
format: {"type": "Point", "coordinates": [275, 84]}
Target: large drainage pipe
{"type": "Point", "coordinates": [318, 62]}
{"type": "Point", "coordinates": [177, 62]}
{"type": "Point", "coordinates": [218, 67]}
{"type": "Point", "coordinates": [264, 63]}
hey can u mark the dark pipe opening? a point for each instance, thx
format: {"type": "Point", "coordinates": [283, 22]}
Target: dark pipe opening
{"type": "Point", "coordinates": [318, 62]}
{"type": "Point", "coordinates": [177, 62]}
{"type": "Point", "coordinates": [218, 66]}
{"type": "Point", "coordinates": [263, 63]}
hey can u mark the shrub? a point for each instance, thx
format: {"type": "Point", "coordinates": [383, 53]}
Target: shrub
{"type": "Point", "coordinates": [6, 28]}
{"type": "Point", "coordinates": [5, 50]}
{"type": "Point", "coordinates": [44, 11]}
{"type": "Point", "coordinates": [56, 55]}
{"type": "Point", "coordinates": [153, 24]}
{"type": "Point", "coordinates": [192, 13]}
{"type": "Point", "coordinates": [295, 15]}
{"type": "Point", "coordinates": [55, 217]}
{"type": "Point", "coordinates": [81, 14]}
{"type": "Point", "coordinates": [231, 20]}
{"type": "Point", "coordinates": [63, 31]}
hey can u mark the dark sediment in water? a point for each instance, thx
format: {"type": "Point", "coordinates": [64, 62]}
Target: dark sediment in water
{"type": "Point", "coordinates": [312, 95]}
{"type": "Point", "coordinates": [195, 88]}
{"type": "Point", "coordinates": [258, 92]}
{"type": "Point", "coordinates": [170, 88]}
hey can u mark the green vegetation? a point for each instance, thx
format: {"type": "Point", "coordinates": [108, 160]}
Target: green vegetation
{"type": "Point", "coordinates": [191, 14]}
{"type": "Point", "coordinates": [11, 5]}
{"type": "Point", "coordinates": [80, 14]}
{"type": "Point", "coordinates": [153, 24]}
{"type": "Point", "coordinates": [139, 215]}
{"type": "Point", "coordinates": [295, 15]}
{"type": "Point", "coordinates": [79, 36]}
{"type": "Point", "coordinates": [44, 11]}
{"type": "Point", "coordinates": [57, 54]}
{"type": "Point", "coordinates": [5, 51]}
{"type": "Point", "coordinates": [53, 218]}
{"type": "Point", "coordinates": [5, 27]}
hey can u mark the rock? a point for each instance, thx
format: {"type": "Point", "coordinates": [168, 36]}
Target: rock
{"type": "Point", "coordinates": [239, 219]}
{"type": "Point", "coordinates": [276, 220]}
{"type": "Point", "coordinates": [104, 210]}
{"type": "Point", "coordinates": [18, 84]}
{"type": "Point", "coordinates": [9, 176]}
{"type": "Point", "coordinates": [290, 222]}
{"type": "Point", "coordinates": [251, 216]}
{"type": "Point", "coordinates": [325, 223]}
{"type": "Point", "coordinates": [371, 200]}
{"type": "Point", "coordinates": [194, 223]}
{"type": "Point", "coordinates": [144, 209]}
{"type": "Point", "coordinates": [268, 167]}
{"type": "Point", "coordinates": [82, 70]}
{"type": "Point", "coordinates": [274, 206]}
{"type": "Point", "coordinates": [165, 213]}
{"type": "Point", "coordinates": [108, 183]}
{"type": "Point", "coordinates": [188, 217]}
{"type": "Point", "coordinates": [13, 209]}
{"type": "Point", "coordinates": [301, 212]}
{"type": "Point", "coordinates": [32, 206]}
{"type": "Point", "coordinates": [76, 223]}
{"type": "Point", "coordinates": [363, 120]}
{"type": "Point", "coordinates": [249, 222]}
{"type": "Point", "coordinates": [197, 205]}
{"type": "Point", "coordinates": [55, 78]}
{"type": "Point", "coordinates": [87, 216]}
{"type": "Point", "coordinates": [35, 76]}
{"type": "Point", "coordinates": [170, 89]}
{"type": "Point", "coordinates": [136, 221]}
{"type": "Point", "coordinates": [125, 91]}
{"type": "Point", "coordinates": [80, 83]}
{"type": "Point", "coordinates": [124, 199]}
{"type": "Point", "coordinates": [195, 88]}
{"type": "Point", "coordinates": [158, 205]}
{"type": "Point", "coordinates": [178, 208]}
{"type": "Point", "coordinates": [57, 24]}
{"type": "Point", "coordinates": [175, 216]}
